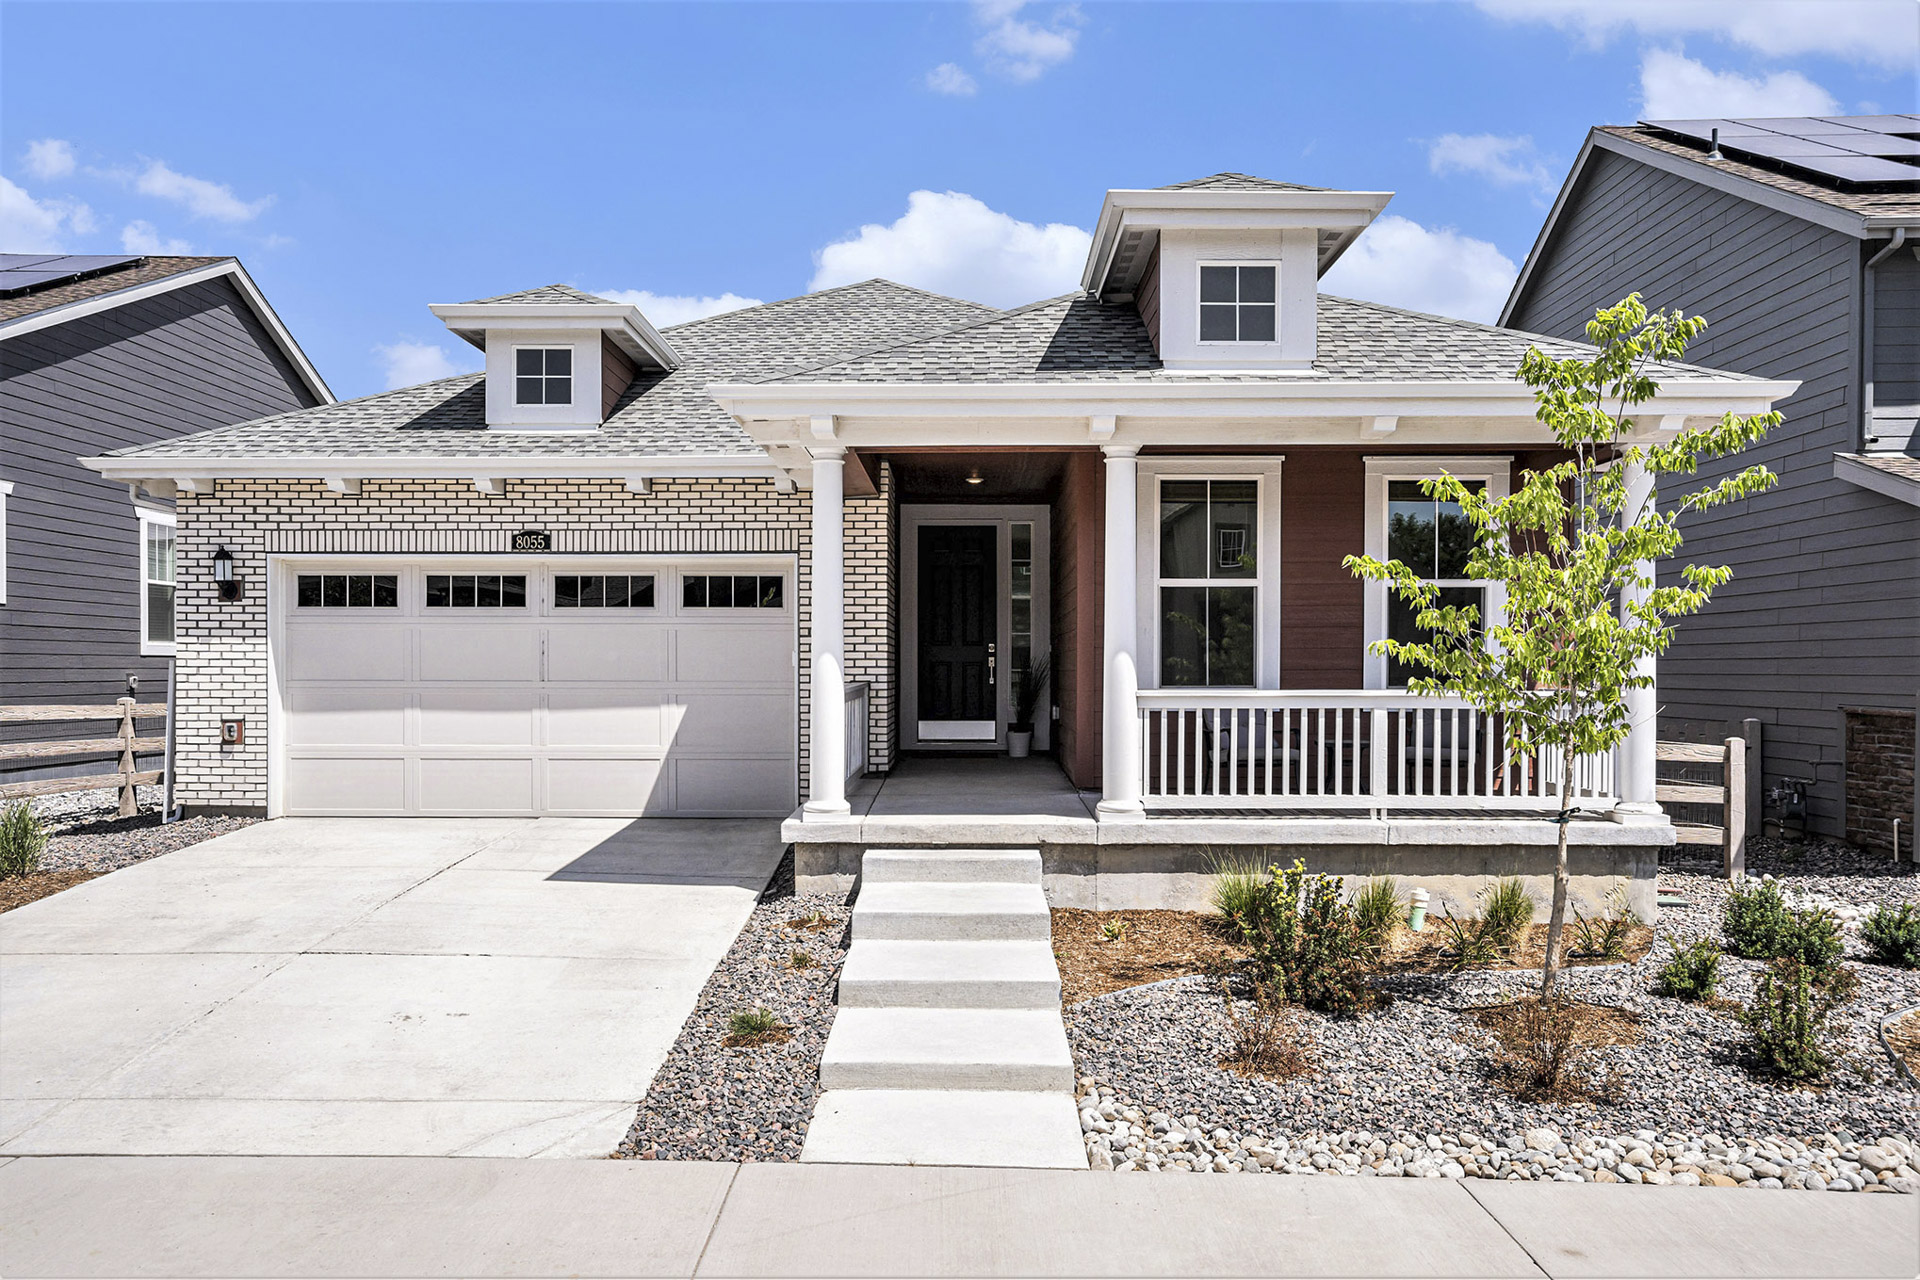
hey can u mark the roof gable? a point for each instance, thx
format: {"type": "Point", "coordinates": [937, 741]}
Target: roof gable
{"type": "Point", "coordinates": [547, 294]}
{"type": "Point", "coordinates": [1236, 182]}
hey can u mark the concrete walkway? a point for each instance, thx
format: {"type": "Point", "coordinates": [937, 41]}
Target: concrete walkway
{"type": "Point", "coordinates": [407, 1217]}
{"type": "Point", "coordinates": [360, 986]}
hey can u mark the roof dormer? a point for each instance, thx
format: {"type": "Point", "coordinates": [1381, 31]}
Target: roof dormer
{"type": "Point", "coordinates": [1225, 269]}
{"type": "Point", "coordinates": [557, 359]}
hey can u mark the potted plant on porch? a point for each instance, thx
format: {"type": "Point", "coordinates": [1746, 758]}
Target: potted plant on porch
{"type": "Point", "coordinates": [1031, 679]}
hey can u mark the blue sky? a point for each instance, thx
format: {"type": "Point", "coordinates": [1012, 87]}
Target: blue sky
{"type": "Point", "coordinates": [365, 160]}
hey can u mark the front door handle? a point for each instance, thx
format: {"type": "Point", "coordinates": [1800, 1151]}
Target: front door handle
{"type": "Point", "coordinates": [989, 668]}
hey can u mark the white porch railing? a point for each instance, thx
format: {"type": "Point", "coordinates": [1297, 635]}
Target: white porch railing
{"type": "Point", "coordinates": [1344, 749]}
{"type": "Point", "coordinates": [857, 695]}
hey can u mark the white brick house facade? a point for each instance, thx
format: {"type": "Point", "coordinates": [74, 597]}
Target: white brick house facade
{"type": "Point", "coordinates": [222, 668]}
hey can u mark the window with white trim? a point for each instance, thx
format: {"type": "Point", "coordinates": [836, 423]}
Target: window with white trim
{"type": "Point", "coordinates": [1239, 302]}
{"type": "Point", "coordinates": [1208, 583]}
{"type": "Point", "coordinates": [157, 583]}
{"type": "Point", "coordinates": [543, 375]}
{"type": "Point", "coordinates": [1434, 538]}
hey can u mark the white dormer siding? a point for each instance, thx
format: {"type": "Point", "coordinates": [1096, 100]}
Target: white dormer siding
{"type": "Point", "coordinates": [584, 408]}
{"type": "Point", "coordinates": [1183, 255]}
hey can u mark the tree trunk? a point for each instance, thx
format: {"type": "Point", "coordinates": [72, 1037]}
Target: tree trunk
{"type": "Point", "coordinates": [1557, 917]}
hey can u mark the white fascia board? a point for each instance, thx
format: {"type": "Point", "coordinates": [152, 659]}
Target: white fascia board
{"type": "Point", "coordinates": [1217, 209]}
{"type": "Point", "coordinates": [135, 467]}
{"type": "Point", "coordinates": [166, 284]}
{"type": "Point", "coordinates": [621, 321]}
{"type": "Point", "coordinates": [1857, 471]}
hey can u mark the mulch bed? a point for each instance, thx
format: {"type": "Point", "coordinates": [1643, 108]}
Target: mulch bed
{"type": "Point", "coordinates": [18, 891]}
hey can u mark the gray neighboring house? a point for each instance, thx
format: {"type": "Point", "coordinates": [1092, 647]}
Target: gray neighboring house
{"type": "Point", "coordinates": [101, 353]}
{"type": "Point", "coordinates": [1802, 275]}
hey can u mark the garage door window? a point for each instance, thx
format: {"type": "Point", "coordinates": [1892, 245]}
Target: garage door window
{"type": "Point", "coordinates": [476, 591]}
{"type": "Point", "coordinates": [348, 591]}
{"type": "Point", "coordinates": [733, 591]}
{"type": "Point", "coordinates": [603, 591]}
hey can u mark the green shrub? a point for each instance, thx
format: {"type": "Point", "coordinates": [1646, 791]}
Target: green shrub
{"type": "Point", "coordinates": [1760, 925]}
{"type": "Point", "coordinates": [22, 840]}
{"type": "Point", "coordinates": [1892, 935]}
{"type": "Point", "coordinates": [1506, 912]}
{"type": "Point", "coordinates": [1377, 911]}
{"type": "Point", "coordinates": [1692, 972]}
{"type": "Point", "coordinates": [1787, 1018]}
{"type": "Point", "coordinates": [1305, 942]}
{"type": "Point", "coordinates": [1236, 882]}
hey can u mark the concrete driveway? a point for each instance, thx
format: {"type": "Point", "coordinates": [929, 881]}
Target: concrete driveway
{"type": "Point", "coordinates": [363, 986]}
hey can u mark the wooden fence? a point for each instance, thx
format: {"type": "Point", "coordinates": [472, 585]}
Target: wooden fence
{"type": "Point", "coordinates": [124, 745]}
{"type": "Point", "coordinates": [1729, 795]}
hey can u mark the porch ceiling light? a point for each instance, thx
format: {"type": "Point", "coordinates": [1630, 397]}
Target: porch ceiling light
{"type": "Point", "coordinates": [973, 477]}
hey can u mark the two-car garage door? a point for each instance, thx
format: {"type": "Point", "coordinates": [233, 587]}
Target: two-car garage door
{"type": "Point", "coordinates": [524, 687]}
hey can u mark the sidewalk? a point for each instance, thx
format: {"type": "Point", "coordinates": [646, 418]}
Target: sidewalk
{"type": "Point", "coordinates": [285, 1216]}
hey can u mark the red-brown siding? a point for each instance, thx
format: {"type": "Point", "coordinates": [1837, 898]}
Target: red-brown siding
{"type": "Point", "coordinates": [1079, 559]}
{"type": "Point", "coordinates": [1323, 515]}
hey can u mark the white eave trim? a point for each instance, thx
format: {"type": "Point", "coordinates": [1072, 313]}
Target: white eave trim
{"type": "Point", "coordinates": [1321, 210]}
{"type": "Point", "coordinates": [621, 321]}
{"type": "Point", "coordinates": [180, 280]}
{"type": "Point", "coordinates": [1858, 471]}
{"type": "Point", "coordinates": [329, 467]}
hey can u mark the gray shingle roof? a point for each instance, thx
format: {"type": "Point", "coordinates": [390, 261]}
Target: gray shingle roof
{"type": "Point", "coordinates": [546, 294]}
{"type": "Point", "coordinates": [147, 269]}
{"type": "Point", "coordinates": [1236, 182]}
{"type": "Point", "coordinates": [661, 414]}
{"type": "Point", "coordinates": [1076, 338]}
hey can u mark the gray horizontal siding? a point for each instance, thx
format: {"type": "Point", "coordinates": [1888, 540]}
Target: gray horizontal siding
{"type": "Point", "coordinates": [1824, 607]}
{"type": "Point", "coordinates": [1896, 352]}
{"type": "Point", "coordinates": [181, 361]}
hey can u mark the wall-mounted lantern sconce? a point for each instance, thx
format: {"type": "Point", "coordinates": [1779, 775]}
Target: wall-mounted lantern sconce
{"type": "Point", "coordinates": [223, 575]}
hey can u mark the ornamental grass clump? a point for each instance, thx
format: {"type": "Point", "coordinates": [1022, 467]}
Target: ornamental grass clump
{"type": "Point", "coordinates": [1236, 882]}
{"type": "Point", "coordinates": [1892, 935]}
{"type": "Point", "coordinates": [1692, 973]}
{"type": "Point", "coordinates": [751, 1028]}
{"type": "Point", "coordinates": [1787, 1018]}
{"type": "Point", "coordinates": [1377, 912]}
{"type": "Point", "coordinates": [1506, 912]}
{"type": "Point", "coordinates": [22, 840]}
{"type": "Point", "coordinates": [1608, 934]}
{"type": "Point", "coordinates": [1303, 938]}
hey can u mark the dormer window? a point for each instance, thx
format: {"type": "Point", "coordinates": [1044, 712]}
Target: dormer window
{"type": "Point", "coordinates": [1239, 302]}
{"type": "Point", "coordinates": [543, 375]}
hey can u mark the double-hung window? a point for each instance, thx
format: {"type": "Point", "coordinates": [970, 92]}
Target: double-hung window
{"type": "Point", "coordinates": [543, 375]}
{"type": "Point", "coordinates": [157, 582]}
{"type": "Point", "coordinates": [1208, 593]}
{"type": "Point", "coordinates": [1435, 539]}
{"type": "Point", "coordinates": [1239, 303]}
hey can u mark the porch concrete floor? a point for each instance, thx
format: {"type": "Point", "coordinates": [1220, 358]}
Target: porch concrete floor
{"type": "Point", "coordinates": [925, 786]}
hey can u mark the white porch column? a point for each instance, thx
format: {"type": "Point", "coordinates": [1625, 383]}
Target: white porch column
{"type": "Point", "coordinates": [826, 688]}
{"type": "Point", "coordinates": [1120, 730]}
{"type": "Point", "coordinates": [1634, 766]}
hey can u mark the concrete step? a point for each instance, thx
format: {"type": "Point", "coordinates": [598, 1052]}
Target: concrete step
{"type": "Point", "coordinates": [999, 1129]}
{"type": "Point", "coordinates": [950, 975]}
{"type": "Point", "coordinates": [894, 1048]}
{"type": "Point", "coordinates": [1015, 866]}
{"type": "Point", "coordinates": [951, 912]}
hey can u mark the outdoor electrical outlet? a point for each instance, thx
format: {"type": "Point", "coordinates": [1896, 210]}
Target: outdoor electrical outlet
{"type": "Point", "coordinates": [233, 732]}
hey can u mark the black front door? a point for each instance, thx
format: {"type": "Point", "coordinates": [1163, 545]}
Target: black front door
{"type": "Point", "coordinates": [958, 626]}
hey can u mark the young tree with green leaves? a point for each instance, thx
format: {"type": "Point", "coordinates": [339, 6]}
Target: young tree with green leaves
{"type": "Point", "coordinates": [1574, 546]}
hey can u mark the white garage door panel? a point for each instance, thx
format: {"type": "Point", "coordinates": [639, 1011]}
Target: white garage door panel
{"type": "Point", "coordinates": [470, 785]}
{"type": "Point", "coordinates": [635, 654]}
{"type": "Point", "coordinates": [329, 785]}
{"type": "Point", "coordinates": [469, 652]}
{"type": "Point", "coordinates": [610, 716]}
{"type": "Point", "coordinates": [357, 716]}
{"type": "Point", "coordinates": [733, 786]}
{"type": "Point", "coordinates": [723, 652]}
{"type": "Point", "coordinates": [606, 786]}
{"type": "Point", "coordinates": [714, 722]}
{"type": "Point", "coordinates": [538, 710]}
{"type": "Point", "coordinates": [367, 652]}
{"type": "Point", "coordinates": [478, 717]}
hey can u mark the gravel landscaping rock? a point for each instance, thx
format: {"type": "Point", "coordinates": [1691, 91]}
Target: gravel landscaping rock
{"type": "Point", "coordinates": [711, 1102]}
{"type": "Point", "coordinates": [1413, 1079]}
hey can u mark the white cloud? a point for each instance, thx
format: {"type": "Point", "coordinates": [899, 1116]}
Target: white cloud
{"type": "Point", "coordinates": [952, 243]}
{"type": "Point", "coordinates": [1881, 32]}
{"type": "Point", "coordinates": [1403, 264]}
{"type": "Point", "coordinates": [49, 158]}
{"type": "Point", "coordinates": [28, 225]}
{"type": "Point", "coordinates": [1502, 161]}
{"type": "Point", "coordinates": [202, 198]}
{"type": "Point", "coordinates": [408, 364]}
{"type": "Point", "coordinates": [950, 79]}
{"type": "Point", "coordinates": [663, 309]}
{"type": "Point", "coordinates": [1675, 87]}
{"type": "Point", "coordinates": [1019, 49]}
{"type": "Point", "coordinates": [143, 237]}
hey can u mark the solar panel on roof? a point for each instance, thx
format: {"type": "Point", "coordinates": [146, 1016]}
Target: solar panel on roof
{"type": "Point", "coordinates": [21, 272]}
{"type": "Point", "coordinates": [1830, 149]}
{"type": "Point", "coordinates": [1881, 124]}
{"type": "Point", "coordinates": [1870, 169]}
{"type": "Point", "coordinates": [19, 261]}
